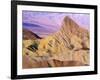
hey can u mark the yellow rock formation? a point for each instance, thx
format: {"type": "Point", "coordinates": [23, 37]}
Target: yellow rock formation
{"type": "Point", "coordinates": [67, 47]}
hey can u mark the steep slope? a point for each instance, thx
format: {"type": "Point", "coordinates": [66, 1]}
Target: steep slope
{"type": "Point", "coordinates": [29, 35]}
{"type": "Point", "coordinates": [71, 33]}
{"type": "Point", "coordinates": [73, 42]}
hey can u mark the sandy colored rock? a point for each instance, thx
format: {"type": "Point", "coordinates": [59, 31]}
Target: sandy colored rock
{"type": "Point", "coordinates": [69, 46]}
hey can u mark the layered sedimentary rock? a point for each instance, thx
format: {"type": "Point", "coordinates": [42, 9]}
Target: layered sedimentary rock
{"type": "Point", "coordinates": [69, 46]}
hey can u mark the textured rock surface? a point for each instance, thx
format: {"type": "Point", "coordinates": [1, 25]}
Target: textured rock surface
{"type": "Point", "coordinates": [67, 47]}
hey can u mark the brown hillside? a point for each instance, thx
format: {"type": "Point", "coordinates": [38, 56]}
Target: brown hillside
{"type": "Point", "coordinates": [27, 34]}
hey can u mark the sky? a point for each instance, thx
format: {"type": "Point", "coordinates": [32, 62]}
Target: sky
{"type": "Point", "coordinates": [46, 23]}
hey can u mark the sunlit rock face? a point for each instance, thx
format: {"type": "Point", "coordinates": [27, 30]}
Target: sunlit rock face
{"type": "Point", "coordinates": [69, 46]}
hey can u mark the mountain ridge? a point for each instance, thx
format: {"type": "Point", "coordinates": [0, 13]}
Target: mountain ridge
{"type": "Point", "coordinates": [27, 34]}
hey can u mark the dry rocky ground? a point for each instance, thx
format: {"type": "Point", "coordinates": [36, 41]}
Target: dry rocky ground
{"type": "Point", "coordinates": [67, 47]}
